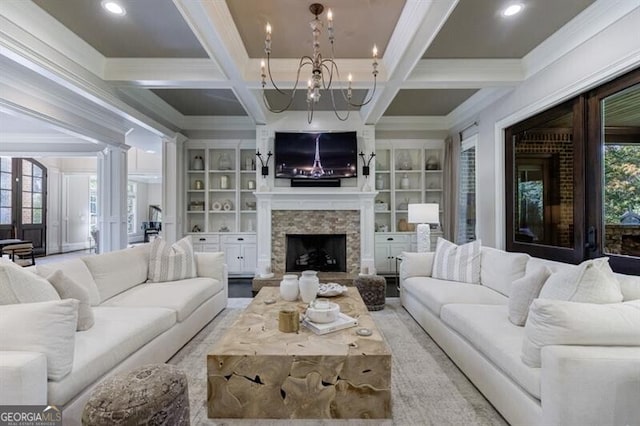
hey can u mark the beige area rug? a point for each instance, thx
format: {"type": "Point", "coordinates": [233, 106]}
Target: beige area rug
{"type": "Point", "coordinates": [427, 388]}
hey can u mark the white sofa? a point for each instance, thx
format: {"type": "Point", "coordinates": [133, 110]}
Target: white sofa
{"type": "Point", "coordinates": [135, 323]}
{"type": "Point", "coordinates": [576, 385]}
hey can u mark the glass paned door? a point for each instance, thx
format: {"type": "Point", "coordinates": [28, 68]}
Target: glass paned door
{"type": "Point", "coordinates": [23, 184]}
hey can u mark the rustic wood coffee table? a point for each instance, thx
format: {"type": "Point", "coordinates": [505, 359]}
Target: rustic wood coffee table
{"type": "Point", "coordinates": [256, 371]}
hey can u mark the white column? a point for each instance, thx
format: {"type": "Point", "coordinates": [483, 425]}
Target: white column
{"type": "Point", "coordinates": [263, 209]}
{"type": "Point", "coordinates": [112, 198]}
{"type": "Point", "coordinates": [172, 180]}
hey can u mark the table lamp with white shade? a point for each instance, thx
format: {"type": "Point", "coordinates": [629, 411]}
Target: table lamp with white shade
{"type": "Point", "coordinates": [424, 214]}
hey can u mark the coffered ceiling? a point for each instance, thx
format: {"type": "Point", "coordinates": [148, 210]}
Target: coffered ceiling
{"type": "Point", "coordinates": [202, 57]}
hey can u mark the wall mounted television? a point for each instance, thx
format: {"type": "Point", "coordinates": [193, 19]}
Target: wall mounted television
{"type": "Point", "coordinates": [328, 155]}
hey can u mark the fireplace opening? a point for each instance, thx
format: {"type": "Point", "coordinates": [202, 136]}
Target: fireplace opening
{"type": "Point", "coordinates": [318, 252]}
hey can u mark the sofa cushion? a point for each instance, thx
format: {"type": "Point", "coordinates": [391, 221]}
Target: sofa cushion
{"type": "Point", "coordinates": [45, 327]}
{"type": "Point", "coordinates": [629, 286]}
{"type": "Point", "coordinates": [435, 293]}
{"type": "Point", "coordinates": [590, 282]}
{"type": "Point", "coordinates": [498, 268]}
{"type": "Point", "coordinates": [523, 291]}
{"type": "Point", "coordinates": [171, 262]}
{"type": "Point", "coordinates": [117, 271]}
{"type": "Point", "coordinates": [557, 322]}
{"type": "Point", "coordinates": [211, 265]}
{"type": "Point", "coordinates": [20, 286]}
{"type": "Point", "coordinates": [457, 263]}
{"type": "Point", "coordinates": [69, 289]}
{"type": "Point", "coordinates": [181, 296]}
{"type": "Point", "coordinates": [486, 327]}
{"type": "Point", "coordinates": [77, 270]}
{"type": "Point", "coordinates": [116, 334]}
{"type": "Point", "coordinates": [416, 264]}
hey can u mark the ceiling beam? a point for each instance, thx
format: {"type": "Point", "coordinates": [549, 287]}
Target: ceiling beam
{"type": "Point", "coordinates": [165, 73]}
{"type": "Point", "coordinates": [418, 25]}
{"type": "Point", "coordinates": [212, 24]}
{"type": "Point", "coordinates": [464, 74]}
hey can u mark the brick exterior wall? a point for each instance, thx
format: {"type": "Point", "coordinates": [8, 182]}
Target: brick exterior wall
{"type": "Point", "coordinates": [467, 196]}
{"type": "Point", "coordinates": [285, 222]}
{"type": "Point", "coordinates": [622, 239]}
{"type": "Point", "coordinates": [560, 143]}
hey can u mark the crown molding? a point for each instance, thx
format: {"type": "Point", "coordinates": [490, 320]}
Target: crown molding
{"type": "Point", "coordinates": [38, 23]}
{"type": "Point", "coordinates": [154, 105]}
{"type": "Point", "coordinates": [20, 46]}
{"type": "Point", "coordinates": [480, 100]}
{"type": "Point", "coordinates": [594, 19]}
{"type": "Point", "coordinates": [464, 73]}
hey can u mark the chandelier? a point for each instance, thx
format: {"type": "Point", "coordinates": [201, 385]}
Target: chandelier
{"type": "Point", "coordinates": [324, 72]}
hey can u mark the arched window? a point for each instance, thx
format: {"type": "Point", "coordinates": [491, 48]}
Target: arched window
{"type": "Point", "coordinates": [23, 201]}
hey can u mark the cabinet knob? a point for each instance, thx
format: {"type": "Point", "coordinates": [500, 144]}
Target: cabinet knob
{"type": "Point", "coordinates": [202, 239]}
{"type": "Point", "coordinates": [240, 239]}
{"type": "Point", "coordinates": [390, 239]}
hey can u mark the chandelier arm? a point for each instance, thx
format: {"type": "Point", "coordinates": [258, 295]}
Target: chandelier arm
{"type": "Point", "coordinates": [335, 108]}
{"type": "Point", "coordinates": [295, 87]}
{"type": "Point", "coordinates": [373, 92]}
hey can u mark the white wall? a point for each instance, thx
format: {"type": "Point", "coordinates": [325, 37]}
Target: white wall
{"type": "Point", "coordinates": [608, 54]}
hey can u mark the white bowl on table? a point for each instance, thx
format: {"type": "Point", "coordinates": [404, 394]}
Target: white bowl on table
{"type": "Point", "coordinates": [322, 311]}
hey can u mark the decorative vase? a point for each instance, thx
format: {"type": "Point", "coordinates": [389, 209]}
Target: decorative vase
{"type": "Point", "coordinates": [198, 163]}
{"type": "Point", "coordinates": [198, 184]}
{"type": "Point", "coordinates": [379, 182]}
{"type": "Point", "coordinates": [309, 285]}
{"type": "Point", "coordinates": [224, 182]}
{"type": "Point", "coordinates": [289, 288]}
{"type": "Point", "coordinates": [404, 182]}
{"type": "Point", "coordinates": [251, 184]}
{"type": "Point", "coordinates": [224, 163]}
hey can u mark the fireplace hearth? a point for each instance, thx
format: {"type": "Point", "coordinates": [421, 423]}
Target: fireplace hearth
{"type": "Point", "coordinates": [318, 252]}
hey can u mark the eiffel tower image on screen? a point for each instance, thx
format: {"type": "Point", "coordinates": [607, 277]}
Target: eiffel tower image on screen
{"type": "Point", "coordinates": [317, 170]}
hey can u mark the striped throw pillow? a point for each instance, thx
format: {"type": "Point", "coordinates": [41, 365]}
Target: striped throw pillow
{"type": "Point", "coordinates": [457, 263]}
{"type": "Point", "coordinates": [171, 263]}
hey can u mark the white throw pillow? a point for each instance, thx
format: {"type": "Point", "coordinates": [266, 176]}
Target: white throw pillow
{"type": "Point", "coordinates": [210, 264]}
{"type": "Point", "coordinates": [524, 291]}
{"type": "Point", "coordinates": [592, 281]}
{"type": "Point", "coordinates": [457, 263]}
{"type": "Point", "coordinates": [18, 285]}
{"type": "Point", "coordinates": [499, 268]}
{"type": "Point", "coordinates": [556, 322]}
{"type": "Point", "coordinates": [171, 263]}
{"type": "Point", "coordinates": [44, 327]}
{"type": "Point", "coordinates": [416, 264]}
{"type": "Point", "coordinates": [69, 289]}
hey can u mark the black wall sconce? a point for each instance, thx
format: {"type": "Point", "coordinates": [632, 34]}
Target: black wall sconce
{"type": "Point", "coordinates": [366, 163]}
{"type": "Point", "coordinates": [264, 163]}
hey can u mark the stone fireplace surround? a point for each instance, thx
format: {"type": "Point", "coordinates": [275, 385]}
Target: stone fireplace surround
{"type": "Point", "coordinates": [315, 210]}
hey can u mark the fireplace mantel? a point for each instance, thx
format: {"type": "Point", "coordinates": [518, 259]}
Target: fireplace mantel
{"type": "Point", "coordinates": [334, 199]}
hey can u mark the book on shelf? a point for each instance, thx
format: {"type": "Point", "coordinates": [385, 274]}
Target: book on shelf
{"type": "Point", "coordinates": [343, 321]}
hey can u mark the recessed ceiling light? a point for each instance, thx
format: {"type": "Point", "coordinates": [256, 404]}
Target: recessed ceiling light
{"type": "Point", "coordinates": [113, 7]}
{"type": "Point", "coordinates": [512, 9]}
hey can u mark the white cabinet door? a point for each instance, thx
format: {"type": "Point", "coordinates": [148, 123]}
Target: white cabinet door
{"type": "Point", "coordinates": [249, 258]}
{"type": "Point", "coordinates": [233, 257]}
{"type": "Point", "coordinates": [382, 258]}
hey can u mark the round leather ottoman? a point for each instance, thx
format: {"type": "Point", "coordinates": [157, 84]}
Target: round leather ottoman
{"type": "Point", "coordinates": [372, 289]}
{"type": "Point", "coordinates": [155, 394]}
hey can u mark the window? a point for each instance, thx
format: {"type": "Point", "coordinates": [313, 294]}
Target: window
{"type": "Point", "coordinates": [572, 178]}
{"type": "Point", "coordinates": [93, 203]}
{"type": "Point", "coordinates": [467, 191]}
{"type": "Point", "coordinates": [131, 207]}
